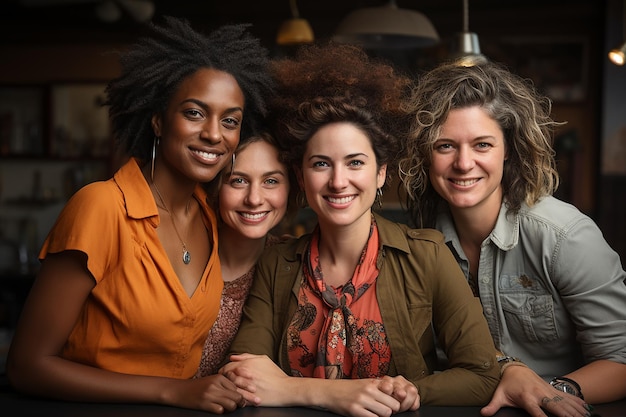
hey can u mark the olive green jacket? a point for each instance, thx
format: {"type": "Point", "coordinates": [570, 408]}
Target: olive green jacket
{"type": "Point", "coordinates": [420, 288]}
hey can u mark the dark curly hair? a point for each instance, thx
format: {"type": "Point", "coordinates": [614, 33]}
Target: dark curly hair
{"type": "Point", "coordinates": [514, 103]}
{"type": "Point", "coordinates": [331, 82]}
{"type": "Point", "coordinates": [156, 65]}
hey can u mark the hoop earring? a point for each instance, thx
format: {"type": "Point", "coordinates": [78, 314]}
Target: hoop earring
{"type": "Point", "coordinates": [232, 164]}
{"type": "Point", "coordinates": [155, 143]}
{"type": "Point", "coordinates": [379, 198]}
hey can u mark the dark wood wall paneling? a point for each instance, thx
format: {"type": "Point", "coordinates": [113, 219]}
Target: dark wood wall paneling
{"type": "Point", "coordinates": [67, 42]}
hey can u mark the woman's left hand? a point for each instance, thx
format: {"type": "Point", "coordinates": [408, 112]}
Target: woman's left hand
{"type": "Point", "coordinates": [402, 390]}
{"type": "Point", "coordinates": [254, 374]}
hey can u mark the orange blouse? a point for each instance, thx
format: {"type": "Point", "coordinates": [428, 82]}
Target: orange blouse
{"type": "Point", "coordinates": [138, 318]}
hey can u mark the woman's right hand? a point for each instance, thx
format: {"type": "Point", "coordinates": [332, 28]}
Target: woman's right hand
{"type": "Point", "coordinates": [213, 393]}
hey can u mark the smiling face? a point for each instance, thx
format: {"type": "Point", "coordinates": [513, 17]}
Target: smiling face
{"type": "Point", "coordinates": [468, 161]}
{"type": "Point", "coordinates": [340, 175]}
{"type": "Point", "coordinates": [254, 198]}
{"type": "Point", "coordinates": [200, 128]}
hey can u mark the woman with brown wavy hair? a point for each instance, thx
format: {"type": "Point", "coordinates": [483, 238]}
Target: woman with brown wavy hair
{"type": "Point", "coordinates": [343, 317]}
{"type": "Point", "coordinates": [479, 166]}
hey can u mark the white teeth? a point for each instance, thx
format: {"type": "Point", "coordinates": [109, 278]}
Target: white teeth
{"type": "Point", "coordinates": [341, 200]}
{"type": "Point", "coordinates": [253, 216]}
{"type": "Point", "coordinates": [464, 182]}
{"type": "Point", "coordinates": [206, 155]}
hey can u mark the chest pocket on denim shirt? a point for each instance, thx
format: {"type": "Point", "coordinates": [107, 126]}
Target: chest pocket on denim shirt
{"type": "Point", "coordinates": [528, 308]}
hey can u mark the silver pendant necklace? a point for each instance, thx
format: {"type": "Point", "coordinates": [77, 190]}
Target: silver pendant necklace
{"type": "Point", "coordinates": [186, 254]}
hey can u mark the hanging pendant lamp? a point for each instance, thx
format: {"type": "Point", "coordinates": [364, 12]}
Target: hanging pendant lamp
{"type": "Point", "coordinates": [387, 27]}
{"type": "Point", "coordinates": [296, 30]}
{"type": "Point", "coordinates": [467, 46]}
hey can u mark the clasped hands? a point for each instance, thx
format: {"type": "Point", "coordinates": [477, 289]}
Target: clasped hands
{"type": "Point", "coordinates": [261, 382]}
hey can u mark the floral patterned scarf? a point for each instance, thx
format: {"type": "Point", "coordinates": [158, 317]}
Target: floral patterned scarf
{"type": "Point", "coordinates": [338, 332]}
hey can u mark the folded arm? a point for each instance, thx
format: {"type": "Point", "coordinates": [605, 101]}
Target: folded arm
{"type": "Point", "coordinates": [36, 367]}
{"type": "Point", "coordinates": [263, 383]}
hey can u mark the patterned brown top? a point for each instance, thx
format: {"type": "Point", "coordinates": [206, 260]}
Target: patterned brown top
{"type": "Point", "coordinates": [223, 331]}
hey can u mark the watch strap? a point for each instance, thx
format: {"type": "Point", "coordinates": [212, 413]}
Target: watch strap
{"type": "Point", "coordinates": [564, 380]}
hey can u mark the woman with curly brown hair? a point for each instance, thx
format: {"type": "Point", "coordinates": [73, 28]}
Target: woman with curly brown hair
{"type": "Point", "coordinates": [480, 168]}
{"type": "Point", "coordinates": [342, 318]}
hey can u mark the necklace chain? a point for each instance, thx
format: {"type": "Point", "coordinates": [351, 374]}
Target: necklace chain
{"type": "Point", "coordinates": [186, 254]}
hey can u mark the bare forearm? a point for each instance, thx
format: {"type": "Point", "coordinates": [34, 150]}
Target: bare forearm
{"type": "Point", "coordinates": [61, 379]}
{"type": "Point", "coordinates": [601, 381]}
{"type": "Point", "coordinates": [56, 378]}
{"type": "Point", "coordinates": [309, 392]}
{"type": "Point", "coordinates": [349, 397]}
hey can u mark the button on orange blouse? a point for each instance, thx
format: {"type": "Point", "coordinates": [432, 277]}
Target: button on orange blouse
{"type": "Point", "coordinates": [138, 319]}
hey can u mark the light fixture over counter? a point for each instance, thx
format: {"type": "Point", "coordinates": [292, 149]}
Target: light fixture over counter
{"type": "Point", "coordinates": [618, 55]}
{"type": "Point", "coordinates": [387, 27]}
{"type": "Point", "coordinates": [296, 30]}
{"type": "Point", "coordinates": [467, 49]}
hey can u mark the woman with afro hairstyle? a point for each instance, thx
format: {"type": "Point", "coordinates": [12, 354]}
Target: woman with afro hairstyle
{"type": "Point", "coordinates": [342, 318]}
{"type": "Point", "coordinates": [130, 280]}
{"type": "Point", "coordinates": [480, 168]}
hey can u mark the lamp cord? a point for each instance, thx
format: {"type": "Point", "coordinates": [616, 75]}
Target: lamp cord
{"type": "Point", "coordinates": [466, 16]}
{"type": "Point", "coordinates": [624, 21]}
{"type": "Point", "coordinates": [294, 9]}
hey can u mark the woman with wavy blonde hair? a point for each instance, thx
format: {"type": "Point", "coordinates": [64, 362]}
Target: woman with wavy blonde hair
{"type": "Point", "coordinates": [479, 166]}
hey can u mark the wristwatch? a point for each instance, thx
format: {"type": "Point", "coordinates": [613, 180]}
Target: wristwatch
{"type": "Point", "coordinates": [567, 385]}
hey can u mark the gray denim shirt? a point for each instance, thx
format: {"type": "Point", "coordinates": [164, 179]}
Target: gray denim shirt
{"type": "Point", "coordinates": [553, 291]}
